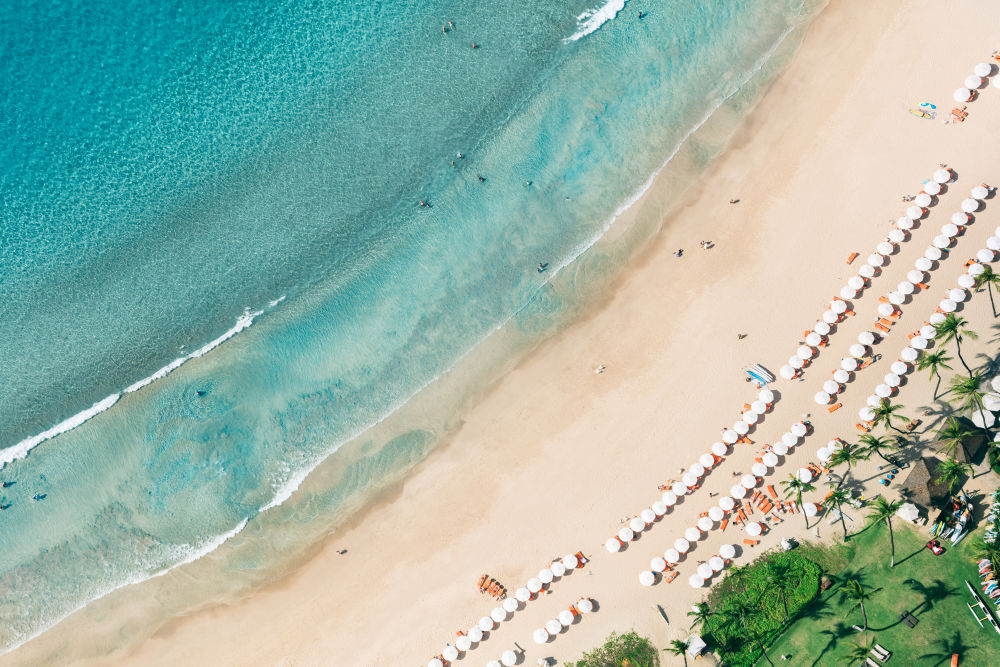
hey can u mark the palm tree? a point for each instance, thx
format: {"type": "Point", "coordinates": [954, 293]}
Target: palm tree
{"type": "Point", "coordinates": [849, 454]}
{"type": "Point", "coordinates": [951, 436]}
{"type": "Point", "coordinates": [935, 361]}
{"type": "Point", "coordinates": [701, 614]}
{"type": "Point", "coordinates": [952, 471]}
{"type": "Point", "coordinates": [877, 445]}
{"type": "Point", "coordinates": [982, 549]}
{"type": "Point", "coordinates": [757, 638]}
{"type": "Point", "coordinates": [990, 279]}
{"type": "Point", "coordinates": [953, 328]}
{"type": "Point", "coordinates": [967, 389]}
{"type": "Point", "coordinates": [882, 510]}
{"type": "Point", "coordinates": [854, 590]}
{"type": "Point", "coordinates": [837, 499]}
{"type": "Point", "coordinates": [796, 487]}
{"type": "Point", "coordinates": [885, 412]}
{"type": "Point", "coordinates": [677, 647]}
{"type": "Point", "coordinates": [776, 577]}
{"type": "Point", "coordinates": [858, 653]}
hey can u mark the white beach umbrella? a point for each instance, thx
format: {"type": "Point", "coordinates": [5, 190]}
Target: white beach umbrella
{"type": "Point", "coordinates": [896, 299]}
{"type": "Point", "coordinates": [923, 264]}
{"type": "Point", "coordinates": [727, 551]}
{"type": "Point", "coordinates": [885, 310]}
{"type": "Point", "coordinates": [834, 445]}
{"type": "Point", "coordinates": [730, 436]}
{"type": "Point", "coordinates": [982, 69]}
{"type": "Point", "coordinates": [553, 626]}
{"type": "Point", "coordinates": [719, 449]}
{"type": "Point", "coordinates": [941, 241]}
{"type": "Point", "coordinates": [759, 408]}
{"type": "Point", "coordinates": [942, 175]}
{"type": "Point", "coordinates": [523, 594]}
{"type": "Point", "coordinates": [804, 474]}
{"type": "Point", "coordinates": [848, 292]}
{"type": "Point", "coordinates": [611, 545]}
{"type": "Point", "coordinates": [758, 469]}
{"type": "Point", "coordinates": [541, 635]}
{"type": "Point", "coordinates": [992, 403]}
{"type": "Point", "coordinates": [585, 605]}
{"type": "Point", "coordinates": [858, 350]}
{"type": "Point", "coordinates": [899, 368]}
{"type": "Point", "coordinates": [705, 571]}
{"type": "Point", "coordinates": [509, 658]}
{"type": "Point", "coordinates": [765, 395]}
{"type": "Point", "coordinates": [983, 419]}
{"type": "Point", "coordinates": [659, 508]}
{"type": "Point", "coordinates": [647, 515]}
{"type": "Point", "coordinates": [909, 354]}
{"type": "Point", "coordinates": [692, 534]}
{"type": "Point", "coordinates": [986, 255]}
{"type": "Point", "coordinates": [831, 387]}
{"type": "Point", "coordinates": [805, 352]}
{"type": "Point", "coordinates": [996, 82]}
{"type": "Point", "coordinates": [770, 459]}
{"type": "Point", "coordinates": [796, 362]}
{"type": "Point", "coordinates": [647, 578]}
{"type": "Point", "coordinates": [931, 188]}
{"type": "Point", "coordinates": [980, 192]}
{"type": "Point", "coordinates": [866, 271]}
{"type": "Point", "coordinates": [434, 662]}
{"type": "Point", "coordinates": [962, 95]}
{"type": "Point", "coordinates": [822, 328]}
{"type": "Point", "coordinates": [450, 653]}
{"type": "Point", "coordinates": [838, 306]}
{"type": "Point", "coordinates": [715, 514]}
{"type": "Point", "coordinates": [915, 276]}
{"type": "Point", "coordinates": [695, 581]}
{"type": "Point", "coordinates": [475, 634]}
{"type": "Point", "coordinates": [875, 260]}
{"type": "Point", "coordinates": [810, 509]}
{"type": "Point", "coordinates": [884, 248]}
{"type": "Point", "coordinates": [966, 281]}
{"type": "Point", "coordinates": [933, 253]}
{"type": "Point", "coordinates": [750, 417]}
{"type": "Point", "coordinates": [970, 205]}
{"type": "Point", "coordinates": [883, 390]}
{"type": "Point", "coordinates": [841, 376]}
{"type": "Point", "coordinates": [679, 489]}
{"type": "Point", "coordinates": [669, 498]}
{"type": "Point", "coordinates": [904, 223]}
{"type": "Point", "coordinates": [914, 212]}
{"type": "Point", "coordinates": [626, 534]}
{"type": "Point", "coordinates": [741, 427]}
{"type": "Point", "coordinates": [957, 295]}
{"type": "Point", "coordinates": [748, 481]}
{"type": "Point", "coordinates": [813, 339]}
{"type": "Point", "coordinates": [897, 236]}
{"type": "Point", "coordinates": [849, 363]}
{"type": "Point", "coordinates": [535, 584]}
{"type": "Point", "coordinates": [753, 529]}
{"type": "Point", "coordinates": [976, 269]}
{"type": "Point", "coordinates": [737, 491]}
{"type": "Point", "coordinates": [509, 605]}
{"type": "Point", "coordinates": [866, 338]}
{"type": "Point", "coordinates": [706, 460]}
{"type": "Point", "coordinates": [823, 454]}
{"type": "Point", "coordinates": [498, 614]}
{"type": "Point", "coordinates": [566, 617]}
{"type": "Point", "coordinates": [682, 545]}
{"type": "Point", "coordinates": [485, 624]}
{"type": "Point", "coordinates": [690, 479]}
{"type": "Point", "coordinates": [972, 82]}
{"type": "Point", "coordinates": [799, 429]}
{"type": "Point", "coordinates": [959, 218]}
{"type": "Point", "coordinates": [789, 439]}
{"type": "Point", "coordinates": [463, 643]}
{"type": "Point", "coordinates": [671, 555]}
{"type": "Point", "coordinates": [493, 663]}
{"type": "Point", "coordinates": [995, 383]}
{"type": "Point", "coordinates": [949, 229]}
{"type": "Point", "coordinates": [854, 282]}
{"type": "Point", "coordinates": [821, 397]}
{"type": "Point", "coordinates": [831, 317]}
{"type": "Point", "coordinates": [993, 243]}
{"type": "Point", "coordinates": [906, 288]}
{"type": "Point", "coordinates": [948, 306]}
{"type": "Point", "coordinates": [923, 200]}
{"type": "Point", "coordinates": [705, 523]}
{"type": "Point", "coordinates": [873, 401]}
{"type": "Point", "coordinates": [727, 503]}
{"type": "Point", "coordinates": [891, 379]}
{"type": "Point", "coordinates": [779, 448]}
{"type": "Point", "coordinates": [545, 575]}
{"type": "Point", "coordinates": [716, 563]}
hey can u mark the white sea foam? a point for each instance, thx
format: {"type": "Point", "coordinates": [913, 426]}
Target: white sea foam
{"type": "Point", "coordinates": [21, 449]}
{"type": "Point", "coordinates": [272, 304]}
{"type": "Point", "coordinates": [594, 19]}
{"type": "Point", "coordinates": [205, 548]}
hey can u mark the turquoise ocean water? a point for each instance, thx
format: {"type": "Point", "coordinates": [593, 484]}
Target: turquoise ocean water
{"type": "Point", "coordinates": [213, 264]}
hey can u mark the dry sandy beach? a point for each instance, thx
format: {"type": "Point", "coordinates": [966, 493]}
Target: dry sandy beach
{"type": "Point", "coordinates": [555, 455]}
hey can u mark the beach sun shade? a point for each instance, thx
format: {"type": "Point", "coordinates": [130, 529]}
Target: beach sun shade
{"type": "Point", "coordinates": [970, 205]}
{"type": "Point", "coordinates": [716, 513]}
{"type": "Point", "coordinates": [671, 555]}
{"type": "Point", "coordinates": [435, 663]}
{"type": "Point", "coordinates": [855, 282]}
{"type": "Point", "coordinates": [498, 614]}
{"type": "Point", "coordinates": [750, 417]}
{"type": "Point", "coordinates": [679, 489]}
{"type": "Point", "coordinates": [450, 652]}
{"type": "Point", "coordinates": [896, 298]}
{"type": "Point", "coordinates": [730, 436]}
{"type": "Point", "coordinates": [830, 317]}
{"type": "Point", "coordinates": [866, 338]}
{"type": "Point", "coordinates": [966, 281]}
{"type": "Point", "coordinates": [727, 503]}
{"type": "Point", "coordinates": [463, 643]}
{"type": "Point", "coordinates": [545, 575]}
{"type": "Point", "coordinates": [789, 439]}
{"type": "Point", "coordinates": [822, 328]}
{"type": "Point", "coordinates": [692, 534]}
{"type": "Point", "coordinates": [949, 229]}
{"type": "Point", "coordinates": [849, 363]}
{"type": "Point", "coordinates": [897, 235]}
{"type": "Point", "coordinates": [509, 658]}
{"type": "Point", "coordinates": [770, 459]}
{"type": "Point", "coordinates": [976, 269]}
{"type": "Point", "coordinates": [534, 584]}
{"type": "Point", "coordinates": [475, 634]}
{"type": "Point", "coordinates": [625, 535]}
{"type": "Point", "coordinates": [823, 454]}
{"type": "Point", "coordinates": [810, 509]}
{"type": "Point", "coordinates": [857, 349]}
{"type": "Point", "coordinates": [905, 223]}
{"type": "Point", "coordinates": [883, 390]}
{"type": "Point", "coordinates": [986, 255]}
{"type": "Point", "coordinates": [834, 445]}
{"type": "Point", "coordinates": [566, 617]}
{"type": "Point", "coordinates": [923, 264]}
{"type": "Point", "coordinates": [885, 310]}
{"type": "Point", "coordinates": [753, 529]}
{"type": "Point", "coordinates": [647, 578]}
{"type": "Point", "coordinates": [636, 525]}
{"type": "Point", "coordinates": [899, 368]}
{"type": "Point", "coordinates": [741, 427]}
{"type": "Point", "coordinates": [821, 397]}
{"type": "Point", "coordinates": [948, 306]}
{"type": "Point", "coordinates": [765, 395]}
{"type": "Point", "coordinates": [780, 448]}
{"type": "Point", "coordinates": [690, 479]}
{"type": "Point", "coordinates": [585, 605]}
{"type": "Point", "coordinates": [758, 469]}
{"type": "Point", "coordinates": [813, 339]}
{"type": "Point", "coordinates": [706, 460]}
{"type": "Point", "coordinates": [831, 387]}
{"type": "Point", "coordinates": [959, 218]}
{"type": "Point", "coordinates": [957, 295]}
{"type": "Point", "coordinates": [979, 192]}
{"type": "Point", "coordinates": [841, 376]}
{"type": "Point", "coordinates": [695, 581]}
{"type": "Point", "coordinates": [993, 243]}
{"type": "Point", "coordinates": [669, 498]}
{"type": "Point", "coordinates": [909, 354]}
{"type": "Point", "coordinates": [884, 248]}
{"type": "Point", "coordinates": [873, 401]}
{"type": "Point", "coordinates": [509, 605]}
{"type": "Point", "coordinates": [727, 551]}
{"type": "Point", "coordinates": [905, 288]}
{"type": "Point", "coordinates": [705, 571]}
{"type": "Point", "coordinates": [931, 188]}
{"type": "Point", "coordinates": [570, 562]}
{"type": "Point", "coordinates": [983, 419]}
{"type": "Point", "coordinates": [796, 362]}
{"type": "Point", "coordinates": [962, 95]}
{"type": "Point", "coordinates": [659, 508]}
{"type": "Point", "coordinates": [485, 624]}
{"type": "Point", "coordinates": [558, 569]}
{"type": "Point", "coordinates": [553, 626]}
{"type": "Point", "coordinates": [748, 481]}
{"type": "Point", "coordinates": [705, 523]}
{"type": "Point", "coordinates": [972, 82]}
{"type": "Point", "coordinates": [915, 276]}
{"type": "Point", "coordinates": [941, 241]}
{"type": "Point", "coordinates": [719, 449]}
{"type": "Point", "coordinates": [716, 563]}
{"type": "Point", "coordinates": [541, 635]}
{"type": "Point", "coordinates": [923, 200]}
{"type": "Point", "coordinates": [798, 429]}
{"type": "Point", "coordinates": [493, 663]}
{"type": "Point", "coordinates": [613, 545]}
{"type": "Point", "coordinates": [933, 253]}
{"type": "Point", "coordinates": [914, 212]}
{"type": "Point", "coordinates": [875, 259]}
{"type": "Point", "coordinates": [804, 474]}
{"type": "Point", "coordinates": [737, 491]}
{"type": "Point", "coordinates": [942, 175]}
{"type": "Point", "coordinates": [657, 564]}
{"type": "Point", "coordinates": [891, 379]}
{"type": "Point", "coordinates": [805, 352]}
{"type": "Point", "coordinates": [682, 545]}
{"type": "Point", "coordinates": [982, 69]}
{"type": "Point", "coordinates": [848, 292]}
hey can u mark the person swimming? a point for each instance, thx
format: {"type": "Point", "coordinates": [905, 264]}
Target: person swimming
{"type": "Point", "coordinates": [482, 179]}
{"type": "Point", "coordinates": [39, 496]}
{"type": "Point", "coordinates": [542, 266]}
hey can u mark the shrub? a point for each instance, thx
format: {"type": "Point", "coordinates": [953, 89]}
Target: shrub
{"type": "Point", "coordinates": [628, 650]}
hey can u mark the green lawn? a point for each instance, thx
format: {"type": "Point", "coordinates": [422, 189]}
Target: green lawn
{"type": "Point", "coordinates": [931, 587]}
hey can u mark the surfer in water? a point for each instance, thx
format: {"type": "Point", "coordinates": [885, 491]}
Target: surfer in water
{"type": "Point", "coordinates": [542, 266]}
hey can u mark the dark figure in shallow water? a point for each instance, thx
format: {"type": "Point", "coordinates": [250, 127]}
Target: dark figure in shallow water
{"type": "Point", "coordinates": [39, 496]}
{"type": "Point", "coordinates": [6, 484]}
{"type": "Point", "coordinates": [542, 266]}
{"type": "Point", "coordinates": [201, 392]}
{"type": "Point", "coordinates": [482, 179]}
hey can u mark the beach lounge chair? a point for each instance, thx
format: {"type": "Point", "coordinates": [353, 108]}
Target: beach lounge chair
{"type": "Point", "coordinates": [884, 655]}
{"type": "Point", "coordinates": [580, 557]}
{"type": "Point", "coordinates": [871, 663]}
{"type": "Point", "coordinates": [770, 489]}
{"type": "Point", "coordinates": [834, 407]}
{"type": "Point", "coordinates": [883, 299]}
{"type": "Point", "coordinates": [749, 542]}
{"type": "Point", "coordinates": [725, 522]}
{"type": "Point", "coordinates": [482, 582]}
{"type": "Point", "coordinates": [853, 256]}
{"type": "Point", "coordinates": [670, 577]}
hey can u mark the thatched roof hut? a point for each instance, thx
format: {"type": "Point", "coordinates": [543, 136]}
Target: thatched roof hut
{"type": "Point", "coordinates": [920, 484]}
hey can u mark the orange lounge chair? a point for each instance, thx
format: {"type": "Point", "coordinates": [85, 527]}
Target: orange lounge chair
{"type": "Point", "coordinates": [770, 489]}
{"type": "Point", "coordinates": [670, 577]}
{"type": "Point", "coordinates": [883, 299]}
{"type": "Point", "coordinates": [574, 610]}
{"type": "Point", "coordinates": [725, 522]}
{"type": "Point", "coordinates": [849, 313]}
{"type": "Point", "coordinates": [834, 407]}
{"type": "Point", "coordinates": [703, 514]}
{"type": "Point", "coordinates": [580, 557]}
{"type": "Point", "coordinates": [482, 582]}
{"type": "Point", "coordinates": [886, 322]}
{"type": "Point", "coordinates": [922, 286]}
{"type": "Point", "coordinates": [882, 327]}
{"type": "Point", "coordinates": [853, 256]}
{"type": "Point", "coordinates": [750, 542]}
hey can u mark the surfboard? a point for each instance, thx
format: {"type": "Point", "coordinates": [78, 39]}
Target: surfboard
{"type": "Point", "coordinates": [927, 105]}
{"type": "Point", "coordinates": [920, 114]}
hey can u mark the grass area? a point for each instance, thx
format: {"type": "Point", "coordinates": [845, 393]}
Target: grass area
{"type": "Point", "coordinates": [627, 650]}
{"type": "Point", "coordinates": [931, 587]}
{"type": "Point", "coordinates": [749, 603]}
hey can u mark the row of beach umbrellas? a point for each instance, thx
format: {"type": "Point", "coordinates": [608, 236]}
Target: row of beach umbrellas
{"type": "Point", "coordinates": [975, 81]}
{"type": "Point", "coordinates": [556, 625]}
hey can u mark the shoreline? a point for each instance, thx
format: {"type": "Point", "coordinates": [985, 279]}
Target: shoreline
{"type": "Point", "coordinates": [548, 363]}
